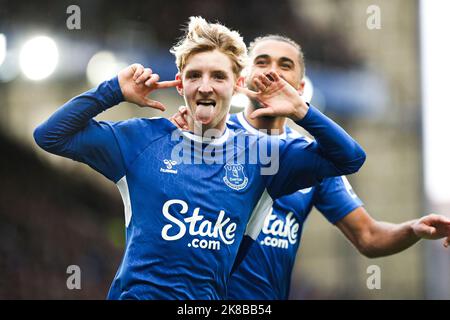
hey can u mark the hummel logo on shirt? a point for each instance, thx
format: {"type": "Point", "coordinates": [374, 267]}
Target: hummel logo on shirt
{"type": "Point", "coordinates": [169, 166]}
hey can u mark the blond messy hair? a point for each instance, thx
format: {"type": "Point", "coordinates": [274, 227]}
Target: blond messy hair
{"type": "Point", "coordinates": [201, 36]}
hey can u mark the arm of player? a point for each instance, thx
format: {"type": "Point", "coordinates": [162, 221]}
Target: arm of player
{"type": "Point", "coordinates": [377, 239]}
{"type": "Point", "coordinates": [279, 98]}
{"type": "Point", "coordinates": [71, 131]}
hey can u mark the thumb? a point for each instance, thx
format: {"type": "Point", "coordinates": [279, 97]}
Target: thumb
{"type": "Point", "coordinates": [154, 104]}
{"type": "Point", "coordinates": [261, 112]}
{"type": "Point", "coordinates": [249, 93]}
{"type": "Point", "coordinates": [425, 230]}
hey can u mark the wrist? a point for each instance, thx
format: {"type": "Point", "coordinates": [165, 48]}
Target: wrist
{"type": "Point", "coordinates": [116, 88]}
{"type": "Point", "coordinates": [412, 229]}
{"type": "Point", "coordinates": [300, 112]}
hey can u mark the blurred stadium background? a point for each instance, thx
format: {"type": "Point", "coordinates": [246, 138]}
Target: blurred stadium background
{"type": "Point", "coordinates": [55, 212]}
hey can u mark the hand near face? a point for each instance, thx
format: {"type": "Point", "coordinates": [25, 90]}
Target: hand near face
{"type": "Point", "coordinates": [433, 227]}
{"type": "Point", "coordinates": [180, 119]}
{"type": "Point", "coordinates": [277, 98]}
{"type": "Point", "coordinates": [136, 83]}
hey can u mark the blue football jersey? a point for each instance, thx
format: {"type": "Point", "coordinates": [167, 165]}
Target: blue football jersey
{"type": "Point", "coordinates": [188, 201]}
{"type": "Point", "coordinates": [265, 272]}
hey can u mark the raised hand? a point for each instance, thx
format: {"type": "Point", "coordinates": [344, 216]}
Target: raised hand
{"type": "Point", "coordinates": [433, 226]}
{"type": "Point", "coordinates": [136, 83]}
{"type": "Point", "coordinates": [277, 98]}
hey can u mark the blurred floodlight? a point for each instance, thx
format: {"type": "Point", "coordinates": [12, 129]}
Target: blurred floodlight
{"type": "Point", "coordinates": [103, 66]}
{"type": "Point", "coordinates": [2, 48]}
{"type": "Point", "coordinates": [309, 90]}
{"type": "Point", "coordinates": [39, 57]}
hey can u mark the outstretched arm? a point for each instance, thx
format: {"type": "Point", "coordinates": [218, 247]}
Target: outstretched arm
{"type": "Point", "coordinates": [377, 239]}
{"type": "Point", "coordinates": [71, 131]}
{"type": "Point", "coordinates": [133, 84]}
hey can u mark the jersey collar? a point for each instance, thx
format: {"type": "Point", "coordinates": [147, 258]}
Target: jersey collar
{"type": "Point", "coordinates": [247, 126]}
{"type": "Point", "coordinates": [217, 141]}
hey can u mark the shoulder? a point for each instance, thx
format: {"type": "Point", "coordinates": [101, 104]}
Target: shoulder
{"type": "Point", "coordinates": [140, 131]}
{"type": "Point", "coordinates": [140, 124]}
{"type": "Point", "coordinates": [295, 140]}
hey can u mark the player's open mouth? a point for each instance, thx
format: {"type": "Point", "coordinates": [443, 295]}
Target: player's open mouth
{"type": "Point", "coordinates": [206, 102]}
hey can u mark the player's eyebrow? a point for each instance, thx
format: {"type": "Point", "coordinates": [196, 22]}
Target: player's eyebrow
{"type": "Point", "coordinates": [286, 59]}
{"type": "Point", "coordinates": [262, 56]}
{"type": "Point", "coordinates": [280, 60]}
{"type": "Point", "coordinates": [191, 72]}
{"type": "Point", "coordinates": [220, 73]}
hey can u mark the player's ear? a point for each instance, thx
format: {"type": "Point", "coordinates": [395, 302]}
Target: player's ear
{"type": "Point", "coordinates": [180, 86]}
{"type": "Point", "coordinates": [240, 82]}
{"type": "Point", "coordinates": [301, 87]}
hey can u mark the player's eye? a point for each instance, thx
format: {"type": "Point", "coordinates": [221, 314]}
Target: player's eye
{"type": "Point", "coordinates": [286, 66]}
{"type": "Point", "coordinates": [219, 75]}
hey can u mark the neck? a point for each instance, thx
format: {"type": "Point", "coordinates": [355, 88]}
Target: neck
{"type": "Point", "coordinates": [273, 125]}
{"type": "Point", "coordinates": [206, 131]}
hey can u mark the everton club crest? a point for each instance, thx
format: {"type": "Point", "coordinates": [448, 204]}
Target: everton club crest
{"type": "Point", "coordinates": [235, 177]}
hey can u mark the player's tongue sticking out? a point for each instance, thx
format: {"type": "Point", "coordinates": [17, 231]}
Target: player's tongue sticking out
{"type": "Point", "coordinates": [205, 111]}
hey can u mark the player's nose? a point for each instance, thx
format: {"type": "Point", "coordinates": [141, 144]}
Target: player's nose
{"type": "Point", "coordinates": [205, 87]}
{"type": "Point", "coordinates": [275, 67]}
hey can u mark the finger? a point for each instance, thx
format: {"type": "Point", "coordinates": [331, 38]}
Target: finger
{"type": "Point", "coordinates": [262, 112]}
{"type": "Point", "coordinates": [265, 80]}
{"type": "Point", "coordinates": [249, 93]}
{"type": "Point", "coordinates": [174, 121]}
{"type": "Point", "coordinates": [154, 104]}
{"type": "Point", "coordinates": [153, 79]}
{"type": "Point", "coordinates": [447, 242]}
{"type": "Point", "coordinates": [179, 123]}
{"type": "Point", "coordinates": [168, 84]}
{"type": "Point", "coordinates": [182, 110]}
{"type": "Point", "coordinates": [144, 76]}
{"type": "Point", "coordinates": [259, 85]}
{"type": "Point", "coordinates": [184, 114]}
{"type": "Point", "coordinates": [182, 120]}
{"type": "Point", "coordinates": [444, 219]}
{"type": "Point", "coordinates": [274, 76]}
{"type": "Point", "coordinates": [176, 116]}
{"type": "Point", "coordinates": [435, 219]}
{"type": "Point", "coordinates": [138, 69]}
